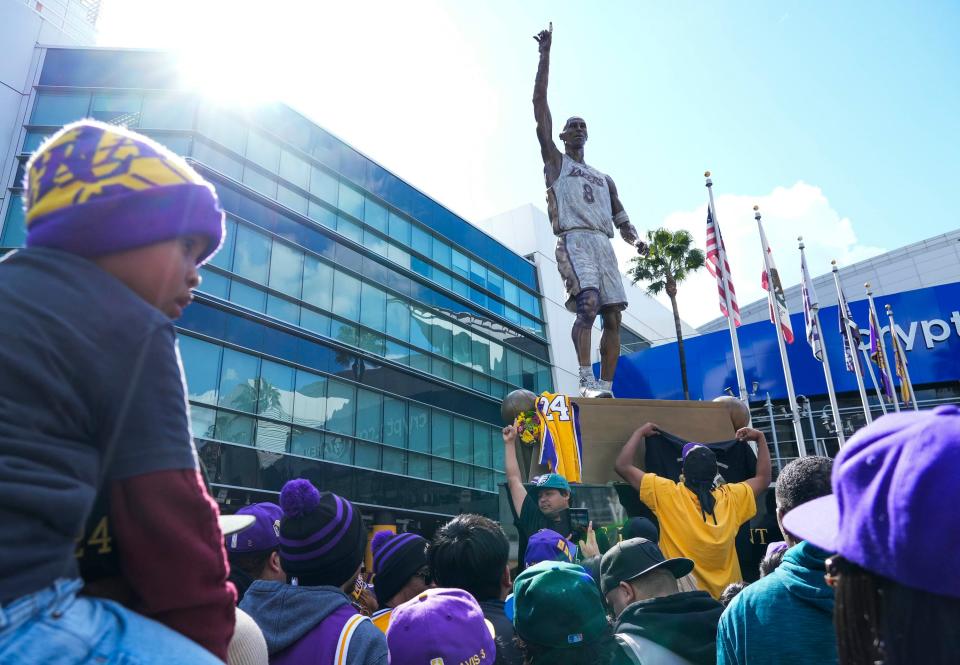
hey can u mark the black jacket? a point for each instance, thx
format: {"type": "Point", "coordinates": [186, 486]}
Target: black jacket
{"type": "Point", "coordinates": [684, 623]}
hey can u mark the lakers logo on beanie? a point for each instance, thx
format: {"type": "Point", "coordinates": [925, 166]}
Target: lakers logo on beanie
{"type": "Point", "coordinates": [93, 189]}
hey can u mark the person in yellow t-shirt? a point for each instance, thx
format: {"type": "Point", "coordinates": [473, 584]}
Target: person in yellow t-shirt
{"type": "Point", "coordinates": [699, 520]}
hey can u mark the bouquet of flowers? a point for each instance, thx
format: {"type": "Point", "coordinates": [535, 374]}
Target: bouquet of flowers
{"type": "Point", "coordinates": [529, 426]}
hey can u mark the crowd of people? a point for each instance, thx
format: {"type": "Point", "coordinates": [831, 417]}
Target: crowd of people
{"type": "Point", "coordinates": [95, 440]}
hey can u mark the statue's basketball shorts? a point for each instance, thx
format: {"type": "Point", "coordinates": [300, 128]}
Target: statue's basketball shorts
{"type": "Point", "coordinates": [586, 261]}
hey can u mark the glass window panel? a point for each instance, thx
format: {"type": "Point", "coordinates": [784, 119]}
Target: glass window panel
{"type": "Point", "coordinates": [497, 365]}
{"type": "Point", "coordinates": [441, 252]}
{"type": "Point", "coordinates": [497, 451]}
{"type": "Point", "coordinates": [513, 367]}
{"type": "Point", "coordinates": [373, 307]}
{"type": "Point", "coordinates": [294, 169]}
{"type": "Point", "coordinates": [179, 145]}
{"type": "Point", "coordinates": [461, 475]}
{"type": "Point", "coordinates": [263, 151]}
{"type": "Point", "coordinates": [442, 278]}
{"type": "Point", "coordinates": [483, 480]}
{"type": "Point", "coordinates": [351, 201]}
{"type": "Point", "coordinates": [420, 361]}
{"type": "Point", "coordinates": [421, 241]}
{"type": "Point", "coordinates": [462, 342]}
{"type": "Point", "coordinates": [224, 258]}
{"type": "Point", "coordinates": [259, 182]}
{"type": "Point", "coordinates": [275, 398]}
{"type": "Point", "coordinates": [375, 215]}
{"type": "Point", "coordinates": [478, 273]}
{"type": "Point", "coordinates": [323, 185]}
{"type": "Point", "coordinates": [202, 422]}
{"type": "Point", "coordinates": [338, 449]}
{"type": "Point", "coordinates": [375, 243]}
{"type": "Point", "coordinates": [496, 306]}
{"type": "Point", "coordinates": [481, 445]}
{"type": "Point", "coordinates": [481, 353]}
{"type": "Point", "coordinates": [394, 461]}
{"type": "Point", "coordinates": [286, 269]}
{"type": "Point", "coordinates": [461, 289]}
{"type": "Point", "coordinates": [398, 318]}
{"type": "Point", "coordinates": [238, 381]}
{"type": "Point", "coordinates": [481, 382]}
{"type": "Point", "coordinates": [462, 436]}
{"type": "Point", "coordinates": [56, 108]}
{"type": "Point", "coordinates": [252, 255]}
{"type": "Point", "coordinates": [440, 433]}
{"type": "Point", "coordinates": [293, 200]}
{"type": "Point", "coordinates": [462, 376]}
{"type": "Point", "coordinates": [314, 321]}
{"type": "Point", "coordinates": [310, 399]}
{"type": "Point", "coordinates": [529, 373]}
{"type": "Point", "coordinates": [370, 342]}
{"type": "Point", "coordinates": [118, 108]}
{"type": "Point", "coordinates": [512, 315]}
{"type": "Point", "coordinates": [396, 352]}
{"type": "Point", "coordinates": [420, 328]}
{"type": "Point", "coordinates": [217, 159]}
{"type": "Point", "coordinates": [399, 228]}
{"type": "Point", "coordinates": [168, 111]}
{"type": "Point", "coordinates": [441, 368]}
{"type": "Point", "coordinates": [394, 422]}
{"type": "Point", "coordinates": [33, 140]}
{"type": "Point", "coordinates": [418, 466]}
{"type": "Point", "coordinates": [419, 428]}
{"type": "Point", "coordinates": [201, 364]}
{"type": "Point", "coordinates": [398, 255]}
{"type": "Point", "coordinates": [223, 128]}
{"type": "Point", "coordinates": [511, 293]}
{"type": "Point", "coordinates": [478, 297]}
{"type": "Point", "coordinates": [345, 333]}
{"type": "Point", "coordinates": [341, 407]}
{"type": "Point", "coordinates": [460, 263]}
{"type": "Point", "coordinates": [272, 436]}
{"type": "Point", "coordinates": [349, 229]}
{"type": "Point", "coordinates": [214, 284]}
{"type": "Point", "coordinates": [306, 442]}
{"type": "Point", "coordinates": [544, 378]}
{"type": "Point", "coordinates": [234, 428]}
{"type": "Point", "coordinates": [317, 282]}
{"type": "Point", "coordinates": [248, 296]}
{"type": "Point", "coordinates": [367, 455]}
{"type": "Point", "coordinates": [495, 282]}
{"type": "Point", "coordinates": [419, 266]}
{"type": "Point", "coordinates": [442, 337]}
{"type": "Point", "coordinates": [526, 302]}
{"type": "Point", "coordinates": [322, 215]}
{"type": "Point", "coordinates": [442, 470]}
{"type": "Point", "coordinates": [346, 295]}
{"type": "Point", "coordinates": [369, 415]}
{"type": "Point", "coordinates": [14, 228]}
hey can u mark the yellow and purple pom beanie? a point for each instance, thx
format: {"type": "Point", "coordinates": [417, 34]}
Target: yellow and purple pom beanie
{"type": "Point", "coordinates": [94, 189]}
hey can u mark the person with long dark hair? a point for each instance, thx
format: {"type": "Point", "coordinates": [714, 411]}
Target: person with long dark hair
{"type": "Point", "coordinates": [699, 520]}
{"type": "Point", "coordinates": [893, 524]}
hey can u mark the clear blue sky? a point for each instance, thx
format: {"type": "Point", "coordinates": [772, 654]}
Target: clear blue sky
{"type": "Point", "coordinates": [841, 119]}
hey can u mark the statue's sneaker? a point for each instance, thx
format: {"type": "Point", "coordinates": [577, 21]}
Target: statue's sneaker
{"type": "Point", "coordinates": [593, 388]}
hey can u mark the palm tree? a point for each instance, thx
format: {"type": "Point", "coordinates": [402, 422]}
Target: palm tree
{"type": "Point", "coordinates": [670, 259]}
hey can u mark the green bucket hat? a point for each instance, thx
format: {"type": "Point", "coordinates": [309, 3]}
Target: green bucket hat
{"type": "Point", "coordinates": [558, 605]}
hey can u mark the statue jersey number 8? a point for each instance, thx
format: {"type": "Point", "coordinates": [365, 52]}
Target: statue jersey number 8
{"type": "Point", "coordinates": [560, 446]}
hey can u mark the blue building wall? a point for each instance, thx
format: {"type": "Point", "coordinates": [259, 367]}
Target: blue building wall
{"type": "Point", "coordinates": [928, 323]}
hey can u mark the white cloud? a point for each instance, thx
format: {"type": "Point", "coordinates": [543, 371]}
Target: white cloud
{"type": "Point", "coordinates": [788, 212]}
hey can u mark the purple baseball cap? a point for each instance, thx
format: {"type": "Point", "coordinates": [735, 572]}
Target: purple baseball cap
{"type": "Point", "coordinates": [895, 486]}
{"type": "Point", "coordinates": [547, 545]}
{"type": "Point", "coordinates": [687, 447]}
{"type": "Point", "coordinates": [440, 626]}
{"type": "Point", "coordinates": [264, 535]}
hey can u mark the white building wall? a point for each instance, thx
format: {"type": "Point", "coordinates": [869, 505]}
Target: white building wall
{"type": "Point", "coordinates": [526, 230]}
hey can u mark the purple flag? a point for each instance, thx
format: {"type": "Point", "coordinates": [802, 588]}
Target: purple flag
{"type": "Point", "coordinates": [879, 357]}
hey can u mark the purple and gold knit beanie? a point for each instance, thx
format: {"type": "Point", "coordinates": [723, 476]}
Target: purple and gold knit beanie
{"type": "Point", "coordinates": [94, 189]}
{"type": "Point", "coordinates": [322, 539]}
{"type": "Point", "coordinates": [396, 559]}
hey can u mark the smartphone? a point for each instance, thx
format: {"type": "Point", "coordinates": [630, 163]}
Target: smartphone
{"type": "Point", "coordinates": [579, 521]}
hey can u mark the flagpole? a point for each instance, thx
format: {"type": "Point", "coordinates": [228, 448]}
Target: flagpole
{"type": "Point", "coordinates": [787, 374]}
{"type": "Point", "coordinates": [903, 358]}
{"type": "Point", "coordinates": [831, 394]}
{"type": "Point", "coordinates": [851, 343]}
{"type": "Point", "coordinates": [888, 370]}
{"type": "Point", "coordinates": [873, 379]}
{"type": "Point", "coordinates": [737, 361]}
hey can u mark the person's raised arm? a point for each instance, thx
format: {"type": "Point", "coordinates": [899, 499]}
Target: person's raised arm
{"type": "Point", "coordinates": [541, 111]}
{"type": "Point", "coordinates": [624, 465]}
{"type": "Point", "coordinates": [627, 230]}
{"type": "Point", "coordinates": [514, 480]}
{"type": "Point", "coordinates": [761, 480]}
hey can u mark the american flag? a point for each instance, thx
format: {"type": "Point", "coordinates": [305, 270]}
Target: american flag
{"type": "Point", "coordinates": [715, 247]}
{"type": "Point", "coordinates": [846, 321]}
{"type": "Point", "coordinates": [810, 307]}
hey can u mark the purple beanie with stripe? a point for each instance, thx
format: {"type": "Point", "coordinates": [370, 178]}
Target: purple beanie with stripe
{"type": "Point", "coordinates": [396, 558]}
{"type": "Point", "coordinates": [322, 539]}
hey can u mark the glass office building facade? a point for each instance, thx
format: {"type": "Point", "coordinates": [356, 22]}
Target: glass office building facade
{"type": "Point", "coordinates": [351, 330]}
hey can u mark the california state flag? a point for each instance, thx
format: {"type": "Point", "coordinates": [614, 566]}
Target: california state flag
{"type": "Point", "coordinates": [779, 314]}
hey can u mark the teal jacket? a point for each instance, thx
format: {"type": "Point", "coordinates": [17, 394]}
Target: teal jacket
{"type": "Point", "coordinates": [784, 618]}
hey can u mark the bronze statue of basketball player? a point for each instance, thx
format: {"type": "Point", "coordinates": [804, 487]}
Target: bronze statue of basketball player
{"type": "Point", "coordinates": [584, 208]}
